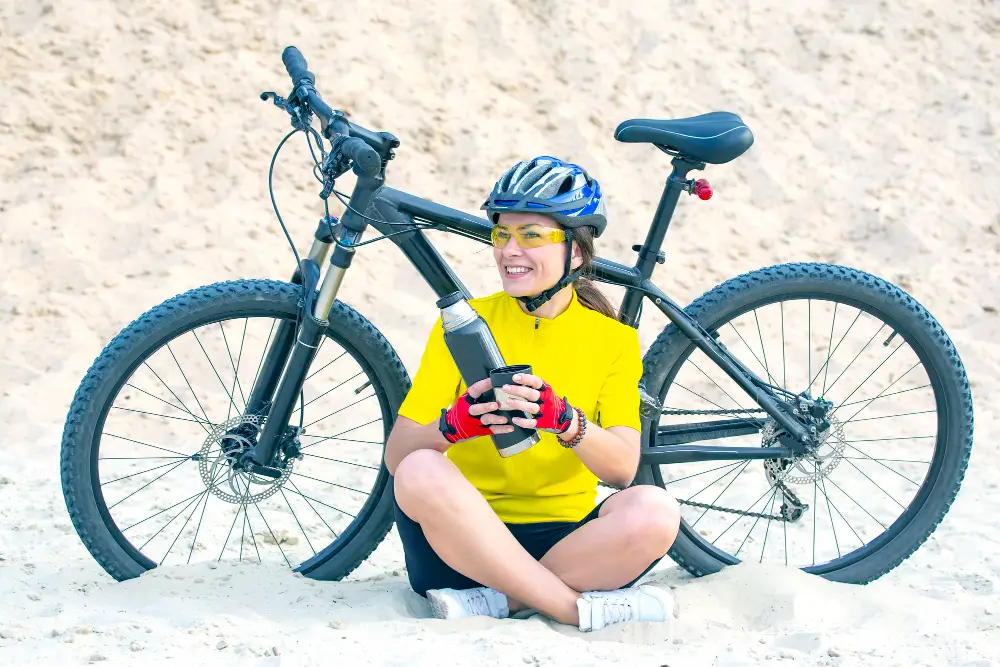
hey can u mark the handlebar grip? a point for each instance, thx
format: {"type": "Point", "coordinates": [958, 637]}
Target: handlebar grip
{"type": "Point", "coordinates": [296, 66]}
{"type": "Point", "coordinates": [364, 156]}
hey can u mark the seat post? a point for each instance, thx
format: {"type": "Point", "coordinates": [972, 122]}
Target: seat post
{"type": "Point", "coordinates": [676, 183]}
{"type": "Point", "coordinates": [629, 310]}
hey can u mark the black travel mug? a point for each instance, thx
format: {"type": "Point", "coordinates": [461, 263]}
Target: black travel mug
{"type": "Point", "coordinates": [476, 354]}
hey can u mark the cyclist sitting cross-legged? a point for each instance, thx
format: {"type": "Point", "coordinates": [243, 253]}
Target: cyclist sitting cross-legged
{"type": "Point", "coordinates": [488, 535]}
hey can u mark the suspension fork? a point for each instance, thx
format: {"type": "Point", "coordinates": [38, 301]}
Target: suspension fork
{"type": "Point", "coordinates": [293, 353]}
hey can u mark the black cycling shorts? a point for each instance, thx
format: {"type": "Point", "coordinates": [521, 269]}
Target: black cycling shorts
{"type": "Point", "coordinates": [427, 571]}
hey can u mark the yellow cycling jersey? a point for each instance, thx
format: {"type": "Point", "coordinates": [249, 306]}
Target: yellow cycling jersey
{"type": "Point", "coordinates": [591, 359]}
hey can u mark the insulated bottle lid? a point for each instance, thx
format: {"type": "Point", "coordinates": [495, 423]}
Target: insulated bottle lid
{"type": "Point", "coordinates": [449, 300]}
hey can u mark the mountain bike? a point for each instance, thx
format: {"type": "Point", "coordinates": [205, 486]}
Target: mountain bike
{"type": "Point", "coordinates": [807, 414]}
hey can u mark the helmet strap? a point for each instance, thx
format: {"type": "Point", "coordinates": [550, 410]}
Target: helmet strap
{"type": "Point", "coordinates": [533, 303]}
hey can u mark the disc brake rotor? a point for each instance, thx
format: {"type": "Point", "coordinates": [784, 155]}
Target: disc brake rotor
{"type": "Point", "coordinates": [219, 453]}
{"type": "Point", "coordinates": [814, 466]}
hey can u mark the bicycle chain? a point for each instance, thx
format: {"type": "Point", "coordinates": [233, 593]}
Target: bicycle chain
{"type": "Point", "coordinates": [789, 495]}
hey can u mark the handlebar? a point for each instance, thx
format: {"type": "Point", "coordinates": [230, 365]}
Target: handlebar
{"type": "Point", "coordinates": [361, 146]}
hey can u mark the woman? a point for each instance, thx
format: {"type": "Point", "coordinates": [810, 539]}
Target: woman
{"type": "Point", "coordinates": [485, 535]}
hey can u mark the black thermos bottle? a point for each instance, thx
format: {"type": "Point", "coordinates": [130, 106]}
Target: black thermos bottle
{"type": "Point", "coordinates": [475, 352]}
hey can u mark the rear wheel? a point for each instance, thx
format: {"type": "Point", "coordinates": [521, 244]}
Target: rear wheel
{"type": "Point", "coordinates": [898, 425]}
{"type": "Point", "coordinates": [158, 421]}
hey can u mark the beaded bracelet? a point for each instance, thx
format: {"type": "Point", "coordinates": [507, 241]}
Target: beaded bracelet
{"type": "Point", "coordinates": [582, 420]}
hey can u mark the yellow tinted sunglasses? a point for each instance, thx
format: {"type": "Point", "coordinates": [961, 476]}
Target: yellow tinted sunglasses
{"type": "Point", "coordinates": [528, 236]}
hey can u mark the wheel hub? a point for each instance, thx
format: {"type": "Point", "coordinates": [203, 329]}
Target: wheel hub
{"type": "Point", "coordinates": [813, 466]}
{"type": "Point", "coordinates": [218, 457]}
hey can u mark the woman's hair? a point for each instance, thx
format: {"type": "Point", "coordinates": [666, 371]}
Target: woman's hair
{"type": "Point", "coordinates": [588, 293]}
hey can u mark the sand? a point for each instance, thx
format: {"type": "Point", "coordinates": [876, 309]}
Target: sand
{"type": "Point", "coordinates": [133, 158]}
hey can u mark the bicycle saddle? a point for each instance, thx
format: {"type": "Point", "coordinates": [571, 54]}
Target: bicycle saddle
{"type": "Point", "coordinates": [713, 138]}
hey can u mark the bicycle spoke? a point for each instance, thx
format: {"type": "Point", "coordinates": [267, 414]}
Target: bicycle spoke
{"type": "Point", "coordinates": [295, 516]}
{"type": "Point", "coordinates": [339, 486]}
{"type": "Point", "coordinates": [326, 365]}
{"type": "Point", "coordinates": [814, 512]}
{"type": "Point", "coordinates": [330, 437]}
{"type": "Point", "coordinates": [754, 525]}
{"type": "Point", "coordinates": [901, 414]}
{"type": "Point", "coordinates": [246, 515]}
{"type": "Point", "coordinates": [754, 504]}
{"type": "Point", "coordinates": [704, 472]}
{"type": "Point", "coordinates": [830, 502]}
{"type": "Point", "coordinates": [881, 395]}
{"type": "Point", "coordinates": [138, 458]}
{"type": "Point", "coordinates": [872, 458]}
{"type": "Point", "coordinates": [276, 542]}
{"type": "Point", "coordinates": [884, 527]}
{"type": "Point", "coordinates": [334, 437]}
{"type": "Point", "coordinates": [341, 409]}
{"type": "Point", "coordinates": [188, 383]}
{"type": "Point", "coordinates": [295, 489]}
{"type": "Point", "coordinates": [196, 420]}
{"type": "Point", "coordinates": [236, 366]}
{"type": "Point", "coordinates": [184, 407]}
{"type": "Point", "coordinates": [767, 529]}
{"type": "Point", "coordinates": [763, 364]}
{"type": "Point", "coordinates": [833, 351]}
{"type": "Point", "coordinates": [207, 494]}
{"type": "Point", "coordinates": [735, 477]}
{"type": "Point", "coordinates": [146, 444]}
{"type": "Point", "coordinates": [260, 364]}
{"type": "Point", "coordinates": [809, 343]}
{"type": "Point", "coordinates": [830, 511]}
{"type": "Point", "coordinates": [860, 352]}
{"type": "Point", "coordinates": [153, 414]}
{"type": "Point", "coordinates": [359, 465]}
{"type": "Point", "coordinates": [737, 415]}
{"type": "Point", "coordinates": [197, 528]}
{"type": "Point", "coordinates": [162, 465]}
{"type": "Point", "coordinates": [232, 401]}
{"type": "Point", "coordinates": [236, 516]}
{"type": "Point", "coordinates": [197, 499]}
{"type": "Point", "coordinates": [879, 461]}
{"type": "Point", "coordinates": [784, 371]}
{"type": "Point", "coordinates": [878, 395]}
{"type": "Point", "coordinates": [176, 466]}
{"type": "Point", "coordinates": [336, 387]}
{"type": "Point", "coordinates": [166, 509]}
{"type": "Point", "coordinates": [829, 348]}
{"type": "Point", "coordinates": [763, 350]}
{"type": "Point", "coordinates": [902, 437]}
{"type": "Point", "coordinates": [875, 371]}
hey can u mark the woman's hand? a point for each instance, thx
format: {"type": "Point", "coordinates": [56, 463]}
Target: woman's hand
{"type": "Point", "coordinates": [468, 418]}
{"type": "Point", "coordinates": [534, 396]}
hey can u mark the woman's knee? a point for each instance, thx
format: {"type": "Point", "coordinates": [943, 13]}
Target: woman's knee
{"type": "Point", "coordinates": [419, 478]}
{"type": "Point", "coordinates": [651, 516]}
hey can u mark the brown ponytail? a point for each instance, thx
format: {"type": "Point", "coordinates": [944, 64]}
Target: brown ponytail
{"type": "Point", "coordinates": [588, 293]}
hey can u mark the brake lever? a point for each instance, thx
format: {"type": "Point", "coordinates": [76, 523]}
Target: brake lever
{"type": "Point", "coordinates": [300, 113]}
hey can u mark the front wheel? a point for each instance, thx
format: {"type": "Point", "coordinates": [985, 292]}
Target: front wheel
{"type": "Point", "coordinates": [159, 420]}
{"type": "Point", "coordinates": [896, 420]}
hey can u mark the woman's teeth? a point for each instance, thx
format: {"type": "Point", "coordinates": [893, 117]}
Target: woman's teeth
{"type": "Point", "coordinates": [517, 270]}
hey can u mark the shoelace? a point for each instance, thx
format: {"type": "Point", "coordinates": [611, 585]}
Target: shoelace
{"type": "Point", "coordinates": [615, 612]}
{"type": "Point", "coordinates": [478, 602]}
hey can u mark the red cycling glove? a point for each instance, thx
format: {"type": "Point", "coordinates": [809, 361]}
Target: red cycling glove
{"type": "Point", "coordinates": [555, 415]}
{"type": "Point", "coordinates": [456, 424]}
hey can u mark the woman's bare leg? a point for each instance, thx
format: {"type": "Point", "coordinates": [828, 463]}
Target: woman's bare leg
{"type": "Point", "coordinates": [467, 534]}
{"type": "Point", "coordinates": [634, 527]}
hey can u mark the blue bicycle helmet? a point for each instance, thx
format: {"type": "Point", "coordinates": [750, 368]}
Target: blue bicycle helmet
{"type": "Point", "coordinates": [560, 190]}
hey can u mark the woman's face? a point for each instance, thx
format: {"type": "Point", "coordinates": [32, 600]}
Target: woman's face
{"type": "Point", "coordinates": [530, 271]}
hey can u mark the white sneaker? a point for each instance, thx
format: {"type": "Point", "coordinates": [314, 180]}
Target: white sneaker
{"type": "Point", "coordinates": [599, 609]}
{"type": "Point", "coordinates": [449, 603]}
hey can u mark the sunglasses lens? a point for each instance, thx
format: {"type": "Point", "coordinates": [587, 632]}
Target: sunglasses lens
{"type": "Point", "coordinates": [499, 237]}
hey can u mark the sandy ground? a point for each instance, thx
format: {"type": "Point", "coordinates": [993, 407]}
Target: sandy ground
{"type": "Point", "coordinates": [133, 157]}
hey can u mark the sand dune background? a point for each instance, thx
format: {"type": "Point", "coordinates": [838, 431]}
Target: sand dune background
{"type": "Point", "coordinates": [133, 162]}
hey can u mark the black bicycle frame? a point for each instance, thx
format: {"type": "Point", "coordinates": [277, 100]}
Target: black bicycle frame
{"type": "Point", "coordinates": [402, 217]}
